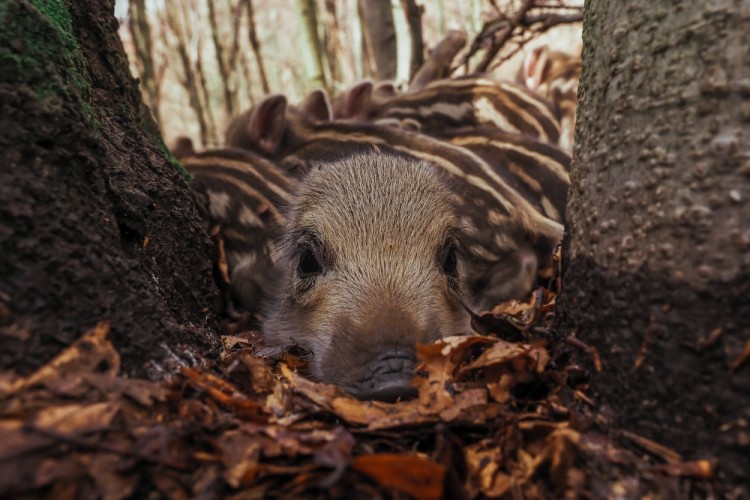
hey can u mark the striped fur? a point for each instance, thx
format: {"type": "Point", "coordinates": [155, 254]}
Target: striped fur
{"type": "Point", "coordinates": [508, 235]}
{"type": "Point", "coordinates": [536, 170]}
{"type": "Point", "coordinates": [461, 102]}
{"type": "Point", "coordinates": [555, 76]}
{"type": "Point", "coordinates": [245, 194]}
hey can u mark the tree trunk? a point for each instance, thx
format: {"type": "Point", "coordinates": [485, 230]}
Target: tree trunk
{"type": "Point", "coordinates": [380, 36]}
{"type": "Point", "coordinates": [212, 139]}
{"type": "Point", "coordinates": [657, 254]}
{"type": "Point", "coordinates": [413, 13]}
{"type": "Point", "coordinates": [332, 41]}
{"type": "Point", "coordinates": [96, 219]}
{"type": "Point", "coordinates": [225, 69]}
{"type": "Point", "coordinates": [140, 30]}
{"type": "Point", "coordinates": [255, 45]}
{"type": "Point", "coordinates": [309, 19]}
{"type": "Point", "coordinates": [188, 77]}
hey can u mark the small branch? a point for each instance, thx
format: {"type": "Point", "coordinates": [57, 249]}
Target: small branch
{"type": "Point", "coordinates": [549, 19]}
{"type": "Point", "coordinates": [532, 18]}
{"type": "Point", "coordinates": [505, 35]}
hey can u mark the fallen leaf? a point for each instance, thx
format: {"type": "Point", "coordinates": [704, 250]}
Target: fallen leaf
{"type": "Point", "coordinates": [409, 474]}
{"type": "Point", "coordinates": [74, 419]}
{"type": "Point", "coordinates": [91, 353]}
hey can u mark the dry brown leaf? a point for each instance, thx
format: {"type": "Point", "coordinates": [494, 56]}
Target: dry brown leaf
{"type": "Point", "coordinates": [439, 361]}
{"type": "Point", "coordinates": [262, 378]}
{"type": "Point", "coordinates": [375, 414]}
{"type": "Point", "coordinates": [484, 462]}
{"type": "Point", "coordinates": [522, 357]}
{"type": "Point", "coordinates": [103, 469]}
{"type": "Point", "coordinates": [73, 419]}
{"type": "Point", "coordinates": [225, 393]}
{"type": "Point", "coordinates": [91, 353]}
{"type": "Point", "coordinates": [16, 440]}
{"type": "Point", "coordinates": [239, 453]}
{"type": "Point", "coordinates": [500, 390]}
{"type": "Point", "coordinates": [169, 487]}
{"type": "Point", "coordinates": [418, 477]}
{"type": "Point", "coordinates": [144, 392]}
{"type": "Point", "coordinates": [462, 405]}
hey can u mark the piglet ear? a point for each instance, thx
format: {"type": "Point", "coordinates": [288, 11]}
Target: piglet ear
{"type": "Point", "coordinates": [534, 66]}
{"type": "Point", "coordinates": [183, 146]}
{"type": "Point", "coordinates": [358, 101]}
{"type": "Point", "coordinates": [268, 123]}
{"type": "Point", "coordinates": [317, 106]}
{"type": "Point", "coordinates": [384, 89]}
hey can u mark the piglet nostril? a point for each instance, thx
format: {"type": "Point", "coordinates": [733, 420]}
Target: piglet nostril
{"type": "Point", "coordinates": [389, 378]}
{"type": "Point", "coordinates": [396, 364]}
{"type": "Point", "coordinates": [392, 391]}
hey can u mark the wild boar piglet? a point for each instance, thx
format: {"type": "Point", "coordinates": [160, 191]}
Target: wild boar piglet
{"type": "Point", "coordinates": [370, 265]}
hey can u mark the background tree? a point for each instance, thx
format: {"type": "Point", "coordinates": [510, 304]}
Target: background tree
{"type": "Point", "coordinates": [413, 12]}
{"type": "Point", "coordinates": [221, 60]}
{"type": "Point", "coordinates": [379, 33]}
{"type": "Point", "coordinates": [143, 43]}
{"type": "Point", "coordinates": [177, 38]}
{"type": "Point", "coordinates": [96, 219]}
{"type": "Point", "coordinates": [657, 257]}
{"type": "Point", "coordinates": [314, 62]}
{"type": "Point", "coordinates": [253, 38]}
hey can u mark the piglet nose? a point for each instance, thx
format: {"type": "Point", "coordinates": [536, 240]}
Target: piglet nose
{"type": "Point", "coordinates": [393, 391]}
{"type": "Point", "coordinates": [389, 377]}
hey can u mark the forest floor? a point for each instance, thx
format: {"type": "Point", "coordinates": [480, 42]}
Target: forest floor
{"type": "Point", "coordinates": [499, 414]}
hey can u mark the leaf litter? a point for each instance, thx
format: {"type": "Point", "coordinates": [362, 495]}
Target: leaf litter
{"type": "Point", "coordinates": [500, 414]}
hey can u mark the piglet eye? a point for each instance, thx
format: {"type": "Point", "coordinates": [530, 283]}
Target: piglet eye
{"type": "Point", "coordinates": [309, 265]}
{"type": "Point", "coordinates": [448, 259]}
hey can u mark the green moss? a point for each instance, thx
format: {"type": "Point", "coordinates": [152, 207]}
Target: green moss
{"type": "Point", "coordinates": [57, 12]}
{"type": "Point", "coordinates": [38, 50]}
{"type": "Point", "coordinates": [171, 159]}
{"type": "Point", "coordinates": [33, 46]}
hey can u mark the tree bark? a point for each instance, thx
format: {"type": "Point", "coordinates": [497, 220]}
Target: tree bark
{"type": "Point", "coordinates": [657, 253]}
{"type": "Point", "coordinates": [316, 71]}
{"type": "Point", "coordinates": [213, 134]}
{"type": "Point", "coordinates": [188, 78]}
{"type": "Point", "coordinates": [255, 45]}
{"type": "Point", "coordinates": [380, 36]}
{"type": "Point", "coordinates": [96, 219]}
{"type": "Point", "coordinates": [332, 41]}
{"type": "Point", "coordinates": [221, 61]}
{"type": "Point", "coordinates": [413, 13]}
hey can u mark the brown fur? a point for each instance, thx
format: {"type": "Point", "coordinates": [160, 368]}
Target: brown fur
{"type": "Point", "coordinates": [509, 236]}
{"type": "Point", "coordinates": [378, 225]}
{"type": "Point", "coordinates": [555, 76]}
{"type": "Point", "coordinates": [458, 102]}
{"type": "Point", "coordinates": [245, 195]}
{"type": "Point", "coordinates": [183, 146]}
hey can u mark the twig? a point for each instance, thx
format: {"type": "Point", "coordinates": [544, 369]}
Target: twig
{"type": "Point", "coordinates": [504, 37]}
{"type": "Point", "coordinates": [519, 28]}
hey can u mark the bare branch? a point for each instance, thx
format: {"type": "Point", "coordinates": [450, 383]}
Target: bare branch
{"type": "Point", "coordinates": [531, 19]}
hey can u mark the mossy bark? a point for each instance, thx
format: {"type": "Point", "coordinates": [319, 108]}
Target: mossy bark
{"type": "Point", "coordinates": [96, 219]}
{"type": "Point", "coordinates": [657, 255]}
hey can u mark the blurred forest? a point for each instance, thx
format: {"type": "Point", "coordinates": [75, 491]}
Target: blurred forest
{"type": "Point", "coordinates": [202, 62]}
